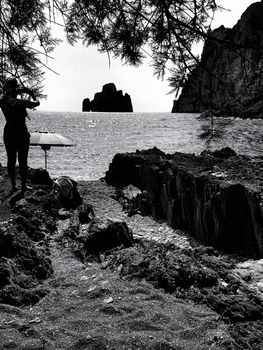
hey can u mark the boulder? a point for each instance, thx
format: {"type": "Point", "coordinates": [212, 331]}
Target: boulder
{"type": "Point", "coordinates": [85, 213]}
{"type": "Point", "coordinates": [39, 177]}
{"type": "Point", "coordinates": [220, 82]}
{"type": "Point", "coordinates": [104, 234]}
{"type": "Point", "coordinates": [108, 100]}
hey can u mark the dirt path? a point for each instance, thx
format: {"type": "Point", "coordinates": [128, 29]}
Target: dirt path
{"type": "Point", "coordinates": [100, 195]}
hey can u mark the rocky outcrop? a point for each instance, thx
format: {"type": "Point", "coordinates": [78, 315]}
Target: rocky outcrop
{"type": "Point", "coordinates": [28, 224]}
{"type": "Point", "coordinates": [86, 107]}
{"type": "Point", "coordinates": [24, 231]}
{"type": "Point", "coordinates": [104, 234]}
{"type": "Point", "coordinates": [196, 274]}
{"type": "Point", "coordinates": [229, 76]}
{"type": "Point", "coordinates": [108, 100]}
{"type": "Point", "coordinates": [217, 197]}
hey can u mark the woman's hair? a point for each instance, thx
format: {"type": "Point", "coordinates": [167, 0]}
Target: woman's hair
{"type": "Point", "coordinates": [10, 84]}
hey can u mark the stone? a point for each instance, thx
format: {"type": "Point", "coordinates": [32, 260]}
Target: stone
{"type": "Point", "coordinates": [108, 100]}
{"type": "Point", "coordinates": [104, 234]}
{"type": "Point", "coordinates": [236, 308]}
{"type": "Point", "coordinates": [220, 82]}
{"type": "Point", "coordinates": [225, 152]}
{"type": "Point", "coordinates": [86, 106]}
{"type": "Point", "coordinates": [24, 235]}
{"type": "Point", "coordinates": [39, 177]}
{"type": "Point", "coordinates": [22, 264]}
{"type": "Point", "coordinates": [260, 286]}
{"type": "Point", "coordinates": [85, 213]}
{"type": "Point", "coordinates": [222, 211]}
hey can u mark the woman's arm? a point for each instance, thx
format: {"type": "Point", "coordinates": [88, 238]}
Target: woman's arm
{"type": "Point", "coordinates": [17, 102]}
{"type": "Point", "coordinates": [27, 91]}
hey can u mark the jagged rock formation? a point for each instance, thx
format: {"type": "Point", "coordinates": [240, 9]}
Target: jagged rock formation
{"type": "Point", "coordinates": [229, 76]}
{"type": "Point", "coordinates": [86, 105]}
{"type": "Point", "coordinates": [109, 100]}
{"type": "Point", "coordinates": [217, 197]}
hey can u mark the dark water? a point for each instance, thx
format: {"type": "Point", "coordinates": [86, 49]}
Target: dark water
{"type": "Point", "coordinates": [99, 136]}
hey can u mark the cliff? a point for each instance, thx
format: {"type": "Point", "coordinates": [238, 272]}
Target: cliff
{"type": "Point", "coordinates": [228, 77]}
{"type": "Point", "coordinates": [108, 100]}
{"type": "Point", "coordinates": [217, 197]}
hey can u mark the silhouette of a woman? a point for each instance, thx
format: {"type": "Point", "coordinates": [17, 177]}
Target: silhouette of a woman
{"type": "Point", "coordinates": [16, 135]}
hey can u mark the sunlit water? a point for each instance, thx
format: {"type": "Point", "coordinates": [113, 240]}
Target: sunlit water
{"type": "Point", "coordinates": [99, 136]}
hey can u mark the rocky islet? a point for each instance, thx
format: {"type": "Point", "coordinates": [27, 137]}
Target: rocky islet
{"type": "Point", "coordinates": [108, 100]}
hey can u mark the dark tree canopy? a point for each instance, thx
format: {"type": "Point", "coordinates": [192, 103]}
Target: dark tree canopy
{"type": "Point", "coordinates": [130, 29]}
{"type": "Point", "coordinates": [26, 40]}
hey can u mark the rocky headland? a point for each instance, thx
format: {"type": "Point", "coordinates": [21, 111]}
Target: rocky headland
{"type": "Point", "coordinates": [81, 267]}
{"type": "Point", "coordinates": [108, 100]}
{"type": "Point", "coordinates": [228, 78]}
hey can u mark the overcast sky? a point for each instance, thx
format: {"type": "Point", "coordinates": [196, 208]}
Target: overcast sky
{"type": "Point", "coordinates": [83, 71]}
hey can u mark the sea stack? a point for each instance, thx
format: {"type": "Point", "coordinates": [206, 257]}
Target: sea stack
{"type": "Point", "coordinates": [229, 76]}
{"type": "Point", "coordinates": [108, 100]}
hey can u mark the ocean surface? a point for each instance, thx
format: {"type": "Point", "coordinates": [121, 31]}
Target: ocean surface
{"type": "Point", "coordinates": [99, 136]}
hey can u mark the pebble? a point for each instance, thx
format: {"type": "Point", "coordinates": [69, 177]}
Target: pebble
{"type": "Point", "coordinates": [108, 300]}
{"type": "Point", "coordinates": [35, 320]}
{"type": "Point", "coordinates": [260, 286]}
{"type": "Point", "coordinates": [92, 288]}
{"type": "Point", "coordinates": [84, 278]}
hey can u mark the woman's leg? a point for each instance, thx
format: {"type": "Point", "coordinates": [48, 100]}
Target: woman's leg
{"type": "Point", "coordinates": [11, 161]}
{"type": "Point", "coordinates": [22, 160]}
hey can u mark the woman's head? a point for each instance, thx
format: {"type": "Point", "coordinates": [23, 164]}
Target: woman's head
{"type": "Point", "coordinates": [10, 87]}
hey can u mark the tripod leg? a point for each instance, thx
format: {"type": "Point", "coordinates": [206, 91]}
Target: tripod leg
{"type": "Point", "coordinates": [45, 159]}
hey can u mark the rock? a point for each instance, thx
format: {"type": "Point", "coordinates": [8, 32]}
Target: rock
{"type": "Point", "coordinates": [39, 177]}
{"type": "Point", "coordinates": [109, 100]}
{"type": "Point", "coordinates": [128, 198]}
{"type": "Point", "coordinates": [164, 268]}
{"type": "Point", "coordinates": [225, 152]}
{"type": "Point", "coordinates": [86, 106]}
{"type": "Point", "coordinates": [24, 235]}
{"type": "Point", "coordinates": [220, 81]}
{"type": "Point", "coordinates": [85, 213]}
{"type": "Point", "coordinates": [104, 234]}
{"type": "Point", "coordinates": [22, 264]}
{"type": "Point", "coordinates": [260, 286]}
{"type": "Point", "coordinates": [235, 308]}
{"type": "Point", "coordinates": [222, 211]}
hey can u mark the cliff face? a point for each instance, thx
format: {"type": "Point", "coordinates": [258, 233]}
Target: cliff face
{"type": "Point", "coordinates": [216, 197]}
{"type": "Point", "coordinates": [229, 77]}
{"type": "Point", "coordinates": [108, 100]}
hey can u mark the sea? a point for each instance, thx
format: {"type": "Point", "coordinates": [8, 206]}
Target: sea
{"type": "Point", "coordinates": [99, 136]}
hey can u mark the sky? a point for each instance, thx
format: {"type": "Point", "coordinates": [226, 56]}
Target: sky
{"type": "Point", "coordinates": [83, 71]}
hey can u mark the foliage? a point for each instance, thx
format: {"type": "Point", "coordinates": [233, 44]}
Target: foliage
{"type": "Point", "coordinates": [213, 126]}
{"type": "Point", "coordinates": [26, 40]}
{"type": "Point", "coordinates": [124, 28]}
{"type": "Point", "coordinates": [128, 28]}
